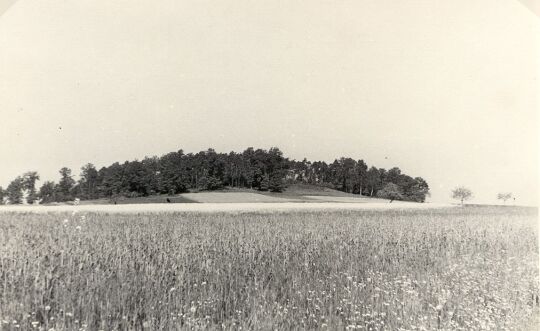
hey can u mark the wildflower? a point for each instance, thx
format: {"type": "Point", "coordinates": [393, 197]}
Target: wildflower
{"type": "Point", "coordinates": [193, 309]}
{"type": "Point", "coordinates": [47, 308]}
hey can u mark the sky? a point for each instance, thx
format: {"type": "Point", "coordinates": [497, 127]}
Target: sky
{"type": "Point", "coordinates": [445, 90]}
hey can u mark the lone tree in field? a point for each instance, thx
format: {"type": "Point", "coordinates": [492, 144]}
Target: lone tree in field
{"type": "Point", "coordinates": [504, 196]}
{"type": "Point", "coordinates": [390, 191]}
{"type": "Point", "coordinates": [461, 193]}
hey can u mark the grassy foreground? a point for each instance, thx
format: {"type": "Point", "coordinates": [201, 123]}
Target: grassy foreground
{"type": "Point", "coordinates": [451, 269]}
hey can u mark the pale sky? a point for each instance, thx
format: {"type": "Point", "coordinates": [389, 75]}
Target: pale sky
{"type": "Point", "coordinates": [445, 90]}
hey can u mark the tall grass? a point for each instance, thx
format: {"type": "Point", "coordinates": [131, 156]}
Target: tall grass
{"type": "Point", "coordinates": [451, 269]}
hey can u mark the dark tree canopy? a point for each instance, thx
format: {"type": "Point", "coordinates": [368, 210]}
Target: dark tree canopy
{"type": "Point", "coordinates": [2, 195]}
{"type": "Point", "coordinates": [29, 184]}
{"type": "Point", "coordinates": [264, 184]}
{"type": "Point", "coordinates": [391, 191]}
{"type": "Point", "coordinates": [14, 191]}
{"type": "Point", "coordinates": [259, 169]}
{"type": "Point", "coordinates": [276, 184]}
{"type": "Point", "coordinates": [47, 192]}
{"type": "Point", "coordinates": [88, 183]}
{"type": "Point", "coordinates": [65, 185]}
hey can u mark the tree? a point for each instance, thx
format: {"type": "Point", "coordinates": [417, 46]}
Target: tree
{"type": "Point", "coordinates": [461, 193]}
{"type": "Point", "coordinates": [276, 183]}
{"type": "Point", "coordinates": [361, 174]}
{"type": "Point", "coordinates": [265, 183]}
{"type": "Point", "coordinates": [393, 175]}
{"type": "Point", "coordinates": [504, 196]}
{"type": "Point", "coordinates": [15, 191]}
{"type": "Point", "coordinates": [210, 183]}
{"type": "Point", "coordinates": [47, 192]}
{"type": "Point", "coordinates": [65, 185]}
{"type": "Point", "coordinates": [414, 189]}
{"type": "Point", "coordinates": [420, 190]}
{"type": "Point", "coordinates": [29, 184]}
{"type": "Point", "coordinates": [344, 174]}
{"type": "Point", "coordinates": [391, 191]}
{"type": "Point", "coordinates": [2, 195]}
{"type": "Point", "coordinates": [372, 181]}
{"type": "Point", "coordinates": [89, 181]}
{"type": "Point", "coordinates": [261, 169]}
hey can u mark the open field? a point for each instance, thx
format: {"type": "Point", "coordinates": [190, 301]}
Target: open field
{"type": "Point", "coordinates": [130, 201]}
{"type": "Point", "coordinates": [472, 268]}
{"type": "Point", "coordinates": [267, 207]}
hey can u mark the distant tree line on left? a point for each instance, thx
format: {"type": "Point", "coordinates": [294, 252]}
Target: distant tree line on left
{"type": "Point", "coordinates": [15, 190]}
{"type": "Point", "coordinates": [178, 172]}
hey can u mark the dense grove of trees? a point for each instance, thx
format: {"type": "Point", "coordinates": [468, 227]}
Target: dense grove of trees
{"type": "Point", "coordinates": [178, 172]}
{"type": "Point", "coordinates": [351, 176]}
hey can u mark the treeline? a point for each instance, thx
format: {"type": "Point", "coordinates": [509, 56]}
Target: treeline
{"type": "Point", "coordinates": [178, 172]}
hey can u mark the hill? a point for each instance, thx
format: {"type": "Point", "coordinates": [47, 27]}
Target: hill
{"type": "Point", "coordinates": [293, 193]}
{"type": "Point", "coordinates": [266, 171]}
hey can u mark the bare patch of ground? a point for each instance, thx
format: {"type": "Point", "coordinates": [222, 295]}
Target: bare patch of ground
{"type": "Point", "coordinates": [232, 197]}
{"type": "Point", "coordinates": [350, 199]}
{"type": "Point", "coordinates": [293, 193]}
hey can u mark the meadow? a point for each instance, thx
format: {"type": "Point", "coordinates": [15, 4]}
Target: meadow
{"type": "Point", "coordinates": [472, 268]}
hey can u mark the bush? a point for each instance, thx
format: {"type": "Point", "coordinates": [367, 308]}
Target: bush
{"type": "Point", "coordinates": [210, 183]}
{"type": "Point", "coordinates": [265, 183]}
{"type": "Point", "coordinates": [391, 191]}
{"type": "Point", "coordinates": [276, 184]}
